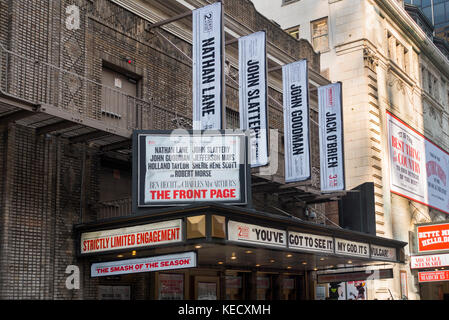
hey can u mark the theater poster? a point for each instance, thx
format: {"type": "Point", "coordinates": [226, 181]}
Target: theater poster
{"type": "Point", "coordinates": [182, 168]}
{"type": "Point", "coordinates": [419, 169]}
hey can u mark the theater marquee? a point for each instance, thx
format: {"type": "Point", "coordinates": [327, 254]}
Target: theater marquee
{"type": "Point", "coordinates": [171, 168]}
{"type": "Point", "coordinates": [145, 235]}
{"type": "Point", "coordinates": [180, 260]}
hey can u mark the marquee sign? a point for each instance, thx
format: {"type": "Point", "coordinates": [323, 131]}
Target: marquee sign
{"type": "Point", "coordinates": [253, 234]}
{"type": "Point", "coordinates": [353, 248]}
{"type": "Point", "coordinates": [253, 95]}
{"type": "Point", "coordinates": [310, 242]}
{"type": "Point", "coordinates": [158, 263]}
{"type": "Point", "coordinates": [151, 234]}
{"type": "Point", "coordinates": [419, 168]}
{"type": "Point", "coordinates": [173, 168]}
{"type": "Point", "coordinates": [355, 276]}
{"type": "Point", "coordinates": [433, 237]}
{"type": "Point", "coordinates": [383, 253]}
{"type": "Point", "coordinates": [246, 233]}
{"type": "Point", "coordinates": [432, 276]}
{"type": "Point", "coordinates": [429, 261]}
{"type": "Point", "coordinates": [331, 137]}
{"type": "Point", "coordinates": [208, 53]}
{"type": "Point", "coordinates": [296, 121]}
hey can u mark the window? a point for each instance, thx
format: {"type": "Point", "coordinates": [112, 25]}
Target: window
{"type": "Point", "coordinates": [424, 78]}
{"type": "Point", "coordinates": [439, 13]}
{"type": "Point", "coordinates": [430, 83]}
{"type": "Point", "coordinates": [436, 88]}
{"type": "Point", "coordinates": [320, 35]}
{"type": "Point", "coordinates": [294, 32]}
{"type": "Point", "coordinates": [398, 53]}
{"type": "Point", "coordinates": [118, 92]}
{"type": "Point", "coordinates": [447, 102]}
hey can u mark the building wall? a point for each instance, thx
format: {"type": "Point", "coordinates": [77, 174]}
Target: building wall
{"type": "Point", "coordinates": [48, 184]}
{"type": "Point", "coordinates": [374, 80]}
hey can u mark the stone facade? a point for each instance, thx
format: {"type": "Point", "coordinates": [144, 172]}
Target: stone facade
{"type": "Point", "coordinates": [386, 64]}
{"type": "Point", "coordinates": [47, 183]}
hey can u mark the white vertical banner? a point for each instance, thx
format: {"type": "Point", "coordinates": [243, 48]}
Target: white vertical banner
{"type": "Point", "coordinates": [253, 95]}
{"type": "Point", "coordinates": [208, 53]}
{"type": "Point", "coordinates": [296, 121]}
{"type": "Point", "coordinates": [331, 137]}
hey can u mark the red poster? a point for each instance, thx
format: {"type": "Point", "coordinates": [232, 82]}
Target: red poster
{"type": "Point", "coordinates": [433, 276]}
{"type": "Point", "coordinates": [433, 237]}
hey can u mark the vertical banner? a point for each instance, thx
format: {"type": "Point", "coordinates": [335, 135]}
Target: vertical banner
{"type": "Point", "coordinates": [253, 94]}
{"type": "Point", "coordinates": [331, 137]}
{"type": "Point", "coordinates": [296, 121]}
{"type": "Point", "coordinates": [208, 54]}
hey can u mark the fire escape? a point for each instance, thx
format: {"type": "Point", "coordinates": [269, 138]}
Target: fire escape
{"type": "Point", "coordinates": [57, 101]}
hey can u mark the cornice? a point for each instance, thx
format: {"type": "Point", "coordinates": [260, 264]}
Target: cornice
{"type": "Point", "coordinates": [409, 27]}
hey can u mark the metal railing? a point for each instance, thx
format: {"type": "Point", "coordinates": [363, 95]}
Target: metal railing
{"type": "Point", "coordinates": [40, 83]}
{"type": "Point", "coordinates": [114, 208]}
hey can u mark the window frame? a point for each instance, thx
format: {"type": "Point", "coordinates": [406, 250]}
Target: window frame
{"type": "Point", "coordinates": [312, 23]}
{"type": "Point", "coordinates": [292, 29]}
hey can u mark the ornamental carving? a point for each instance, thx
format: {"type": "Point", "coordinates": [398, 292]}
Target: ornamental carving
{"type": "Point", "coordinates": [432, 113]}
{"type": "Point", "coordinates": [398, 85]}
{"type": "Point", "coordinates": [370, 59]}
{"type": "Point", "coordinates": [230, 71]}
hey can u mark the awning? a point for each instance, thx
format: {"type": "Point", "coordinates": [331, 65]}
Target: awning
{"type": "Point", "coordinates": [235, 237]}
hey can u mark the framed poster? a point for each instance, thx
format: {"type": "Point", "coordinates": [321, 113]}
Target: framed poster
{"type": "Point", "coordinates": [356, 290]}
{"type": "Point", "coordinates": [320, 293]}
{"type": "Point", "coordinates": [171, 286]}
{"type": "Point", "coordinates": [403, 279]}
{"type": "Point", "coordinates": [177, 168]}
{"type": "Point", "coordinates": [106, 292]}
{"type": "Point", "coordinates": [206, 288]}
{"type": "Point", "coordinates": [207, 291]}
{"type": "Point", "coordinates": [337, 291]}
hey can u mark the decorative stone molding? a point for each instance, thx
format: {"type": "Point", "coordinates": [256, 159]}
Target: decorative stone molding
{"type": "Point", "coordinates": [230, 71]}
{"type": "Point", "coordinates": [396, 83]}
{"type": "Point", "coordinates": [181, 122]}
{"type": "Point", "coordinates": [433, 113]}
{"type": "Point", "coordinates": [370, 59]}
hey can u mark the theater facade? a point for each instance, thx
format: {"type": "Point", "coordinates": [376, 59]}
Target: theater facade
{"type": "Point", "coordinates": [79, 80]}
{"type": "Point", "coordinates": [216, 251]}
{"type": "Point", "coordinates": [205, 239]}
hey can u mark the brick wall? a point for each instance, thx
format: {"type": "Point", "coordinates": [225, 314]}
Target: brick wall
{"type": "Point", "coordinates": [41, 201]}
{"type": "Point", "coordinates": [46, 184]}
